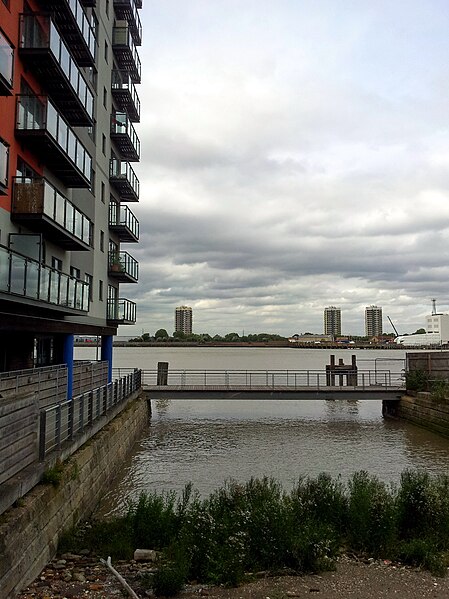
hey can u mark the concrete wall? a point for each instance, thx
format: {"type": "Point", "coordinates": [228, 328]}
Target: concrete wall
{"type": "Point", "coordinates": [29, 533]}
{"type": "Point", "coordinates": [425, 412]}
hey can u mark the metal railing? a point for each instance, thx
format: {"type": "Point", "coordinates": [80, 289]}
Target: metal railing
{"type": "Point", "coordinates": [274, 379]}
{"type": "Point", "coordinates": [63, 422]}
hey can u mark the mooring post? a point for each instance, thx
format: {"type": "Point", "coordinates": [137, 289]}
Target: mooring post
{"type": "Point", "coordinates": [162, 373]}
{"type": "Point", "coordinates": [341, 364]}
{"type": "Point", "coordinates": [354, 371]}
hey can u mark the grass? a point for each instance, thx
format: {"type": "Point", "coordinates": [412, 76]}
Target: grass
{"type": "Point", "coordinates": [242, 528]}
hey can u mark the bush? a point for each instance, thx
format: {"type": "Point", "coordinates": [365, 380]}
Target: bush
{"type": "Point", "coordinates": [417, 380]}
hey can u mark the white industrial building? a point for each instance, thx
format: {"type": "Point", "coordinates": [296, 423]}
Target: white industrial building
{"type": "Point", "coordinates": [437, 332]}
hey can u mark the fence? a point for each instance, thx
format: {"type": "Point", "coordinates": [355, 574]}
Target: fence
{"type": "Point", "coordinates": [68, 419]}
{"type": "Point", "coordinates": [30, 432]}
{"type": "Point", "coordinates": [253, 379]}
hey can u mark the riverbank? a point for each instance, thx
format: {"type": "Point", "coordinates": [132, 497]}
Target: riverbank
{"type": "Point", "coordinates": [85, 577]}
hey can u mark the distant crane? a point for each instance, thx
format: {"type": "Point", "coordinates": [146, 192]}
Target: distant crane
{"type": "Point", "coordinates": [394, 328]}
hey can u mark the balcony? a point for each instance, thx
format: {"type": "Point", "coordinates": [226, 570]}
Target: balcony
{"type": "Point", "coordinates": [6, 66]}
{"type": "Point", "coordinates": [126, 10]}
{"type": "Point", "coordinates": [125, 95]}
{"type": "Point", "coordinates": [75, 28]}
{"type": "Point", "coordinates": [123, 178]}
{"type": "Point", "coordinates": [28, 279]}
{"type": "Point", "coordinates": [123, 267]}
{"type": "Point", "coordinates": [125, 52]}
{"type": "Point", "coordinates": [41, 207]}
{"type": "Point", "coordinates": [121, 311]}
{"type": "Point", "coordinates": [4, 162]}
{"type": "Point", "coordinates": [42, 49]}
{"type": "Point", "coordinates": [123, 222]}
{"type": "Point", "coordinates": [48, 135]}
{"type": "Point", "coordinates": [125, 137]}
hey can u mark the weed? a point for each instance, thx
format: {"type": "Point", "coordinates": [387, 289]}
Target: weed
{"type": "Point", "coordinates": [439, 391]}
{"type": "Point", "coordinates": [417, 380]}
{"type": "Point", "coordinates": [53, 475]}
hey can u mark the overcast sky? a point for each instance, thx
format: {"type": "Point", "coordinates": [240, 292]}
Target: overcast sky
{"type": "Point", "coordinates": [295, 155]}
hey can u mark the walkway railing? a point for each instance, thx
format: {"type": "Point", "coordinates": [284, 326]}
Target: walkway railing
{"type": "Point", "coordinates": [65, 420]}
{"type": "Point", "coordinates": [275, 379]}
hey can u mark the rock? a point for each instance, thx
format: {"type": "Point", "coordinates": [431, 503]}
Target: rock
{"type": "Point", "coordinates": [145, 555]}
{"type": "Point", "coordinates": [84, 552]}
{"type": "Point", "coordinates": [79, 577]}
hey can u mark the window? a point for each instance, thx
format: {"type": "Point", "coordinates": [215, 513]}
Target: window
{"type": "Point", "coordinates": [102, 241]}
{"type": "Point", "coordinates": [56, 263]}
{"type": "Point", "coordinates": [105, 97]}
{"type": "Point", "coordinates": [75, 272]}
{"type": "Point", "coordinates": [90, 281]}
{"type": "Point", "coordinates": [107, 7]}
{"type": "Point", "coordinates": [103, 144]}
{"type": "Point", "coordinates": [100, 290]}
{"type": "Point", "coordinates": [102, 191]}
{"type": "Point", "coordinates": [106, 50]}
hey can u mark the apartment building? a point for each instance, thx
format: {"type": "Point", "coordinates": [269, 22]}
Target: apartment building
{"type": "Point", "coordinates": [332, 321]}
{"type": "Point", "coordinates": [183, 320]}
{"type": "Point", "coordinates": [373, 321]}
{"type": "Point", "coordinates": [68, 106]}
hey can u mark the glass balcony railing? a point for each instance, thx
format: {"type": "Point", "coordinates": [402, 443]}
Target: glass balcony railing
{"type": "Point", "coordinates": [123, 221]}
{"type": "Point", "coordinates": [125, 94]}
{"type": "Point", "coordinates": [121, 311]}
{"type": "Point", "coordinates": [39, 121]}
{"type": "Point", "coordinates": [123, 267]}
{"type": "Point", "coordinates": [28, 278]}
{"type": "Point", "coordinates": [123, 178]}
{"type": "Point", "coordinates": [4, 162]}
{"type": "Point", "coordinates": [6, 66]}
{"type": "Point", "coordinates": [127, 10]}
{"type": "Point", "coordinates": [125, 136]}
{"type": "Point", "coordinates": [42, 46]}
{"type": "Point", "coordinates": [125, 52]}
{"type": "Point", "coordinates": [37, 197]}
{"type": "Point", "coordinates": [76, 29]}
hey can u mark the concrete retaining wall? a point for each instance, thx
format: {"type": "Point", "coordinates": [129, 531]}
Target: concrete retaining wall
{"type": "Point", "coordinates": [29, 533]}
{"type": "Point", "coordinates": [425, 412]}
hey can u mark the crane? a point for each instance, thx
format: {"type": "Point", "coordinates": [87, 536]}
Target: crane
{"type": "Point", "coordinates": [394, 328]}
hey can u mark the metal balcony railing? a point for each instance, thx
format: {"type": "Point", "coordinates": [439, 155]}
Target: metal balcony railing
{"type": "Point", "coordinates": [4, 162]}
{"type": "Point", "coordinates": [121, 311]}
{"type": "Point", "coordinates": [48, 133]}
{"type": "Point", "coordinates": [123, 222]}
{"type": "Point", "coordinates": [28, 278]}
{"type": "Point", "coordinates": [125, 52]}
{"type": "Point", "coordinates": [125, 136]}
{"type": "Point", "coordinates": [76, 29]}
{"type": "Point", "coordinates": [124, 179]}
{"type": "Point", "coordinates": [38, 203]}
{"type": "Point", "coordinates": [127, 10]}
{"type": "Point", "coordinates": [123, 267]}
{"type": "Point", "coordinates": [125, 95]}
{"type": "Point", "coordinates": [43, 48]}
{"type": "Point", "coordinates": [6, 66]}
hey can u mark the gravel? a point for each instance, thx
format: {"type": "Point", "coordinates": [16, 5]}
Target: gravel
{"type": "Point", "coordinates": [83, 576]}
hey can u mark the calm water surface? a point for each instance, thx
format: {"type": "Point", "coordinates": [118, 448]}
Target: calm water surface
{"type": "Point", "coordinates": [208, 442]}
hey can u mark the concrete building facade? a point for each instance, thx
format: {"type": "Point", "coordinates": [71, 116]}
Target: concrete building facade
{"type": "Point", "coordinates": [373, 321]}
{"type": "Point", "coordinates": [332, 321]}
{"type": "Point", "coordinates": [68, 70]}
{"type": "Point", "coordinates": [183, 320]}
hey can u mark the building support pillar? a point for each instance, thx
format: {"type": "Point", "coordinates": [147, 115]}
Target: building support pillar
{"type": "Point", "coordinates": [106, 353]}
{"type": "Point", "coordinates": [67, 356]}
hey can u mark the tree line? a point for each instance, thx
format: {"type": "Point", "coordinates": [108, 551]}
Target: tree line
{"type": "Point", "coordinates": [163, 336]}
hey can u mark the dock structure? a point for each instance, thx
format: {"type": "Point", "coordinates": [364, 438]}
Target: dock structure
{"type": "Point", "coordinates": [336, 381]}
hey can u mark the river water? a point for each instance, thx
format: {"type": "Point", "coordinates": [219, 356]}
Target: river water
{"type": "Point", "coordinates": [208, 442]}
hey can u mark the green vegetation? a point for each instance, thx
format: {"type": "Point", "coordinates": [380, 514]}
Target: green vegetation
{"type": "Point", "coordinates": [242, 528]}
{"type": "Point", "coordinates": [417, 380]}
{"type": "Point", "coordinates": [203, 338]}
{"type": "Point", "coordinates": [53, 475]}
{"type": "Point", "coordinates": [439, 391]}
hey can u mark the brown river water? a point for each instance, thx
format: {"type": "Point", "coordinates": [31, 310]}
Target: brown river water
{"type": "Point", "coordinates": [209, 442]}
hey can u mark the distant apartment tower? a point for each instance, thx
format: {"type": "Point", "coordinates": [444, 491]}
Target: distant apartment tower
{"type": "Point", "coordinates": [183, 320]}
{"type": "Point", "coordinates": [373, 321]}
{"type": "Point", "coordinates": [332, 321]}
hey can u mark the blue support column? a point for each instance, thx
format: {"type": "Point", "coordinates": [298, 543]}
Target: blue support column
{"type": "Point", "coordinates": [106, 353]}
{"type": "Point", "coordinates": [69, 343]}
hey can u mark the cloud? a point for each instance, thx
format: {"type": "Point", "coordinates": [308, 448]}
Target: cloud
{"type": "Point", "coordinates": [292, 158]}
